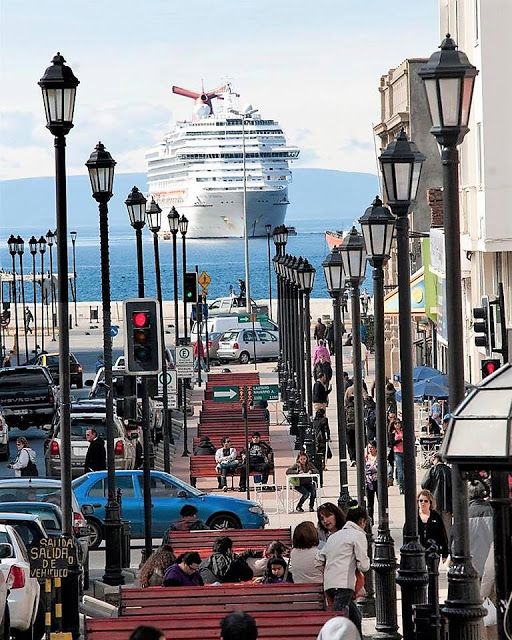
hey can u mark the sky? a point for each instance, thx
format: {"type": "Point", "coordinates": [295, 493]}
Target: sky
{"type": "Point", "coordinates": [313, 66]}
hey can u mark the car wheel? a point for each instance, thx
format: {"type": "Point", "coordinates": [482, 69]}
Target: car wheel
{"type": "Point", "coordinates": [96, 534]}
{"type": "Point", "coordinates": [244, 358]}
{"type": "Point", "coordinates": [224, 521]}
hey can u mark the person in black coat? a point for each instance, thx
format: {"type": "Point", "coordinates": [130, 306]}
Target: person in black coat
{"type": "Point", "coordinates": [205, 447]}
{"type": "Point", "coordinates": [438, 480]}
{"type": "Point", "coordinates": [96, 456]}
{"type": "Point", "coordinates": [320, 392]}
{"type": "Point", "coordinates": [322, 366]}
{"type": "Point", "coordinates": [430, 524]}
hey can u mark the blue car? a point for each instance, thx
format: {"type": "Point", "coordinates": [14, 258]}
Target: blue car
{"type": "Point", "coordinates": [168, 495]}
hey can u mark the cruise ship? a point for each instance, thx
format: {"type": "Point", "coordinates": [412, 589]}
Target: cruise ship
{"type": "Point", "coordinates": [200, 165]}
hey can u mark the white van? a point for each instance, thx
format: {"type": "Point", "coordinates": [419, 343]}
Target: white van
{"type": "Point", "coordinates": [225, 322]}
{"type": "Point", "coordinates": [228, 304]}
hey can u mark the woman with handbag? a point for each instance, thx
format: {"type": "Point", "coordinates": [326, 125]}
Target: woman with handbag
{"type": "Point", "coordinates": [25, 463]}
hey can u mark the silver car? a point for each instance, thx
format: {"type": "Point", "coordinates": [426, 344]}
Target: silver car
{"type": "Point", "coordinates": [85, 417]}
{"type": "Point", "coordinates": [245, 344]}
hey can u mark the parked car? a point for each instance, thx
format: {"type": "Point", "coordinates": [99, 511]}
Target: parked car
{"type": "Point", "coordinates": [83, 417]}
{"type": "Point", "coordinates": [24, 591]}
{"type": "Point", "coordinates": [4, 438]}
{"type": "Point", "coordinates": [227, 322]}
{"type": "Point", "coordinates": [5, 623]}
{"type": "Point", "coordinates": [50, 516]}
{"type": "Point", "coordinates": [243, 344]}
{"type": "Point", "coordinates": [168, 495]}
{"type": "Point", "coordinates": [51, 362]}
{"type": "Point", "coordinates": [228, 304]}
{"type": "Point", "coordinates": [27, 396]}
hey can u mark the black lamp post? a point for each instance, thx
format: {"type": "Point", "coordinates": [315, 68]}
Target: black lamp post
{"type": "Point", "coordinates": [73, 235]}
{"type": "Point", "coordinates": [154, 218]}
{"type": "Point", "coordinates": [401, 164]}
{"type": "Point", "coordinates": [183, 228]}
{"type": "Point", "coordinates": [20, 250]}
{"type": "Point", "coordinates": [173, 218]}
{"type": "Point", "coordinates": [12, 244]}
{"type": "Point", "coordinates": [377, 225]}
{"type": "Point", "coordinates": [280, 237]}
{"type": "Point", "coordinates": [306, 274]}
{"type": "Point", "coordinates": [136, 205]}
{"type": "Point", "coordinates": [353, 258]}
{"type": "Point", "coordinates": [58, 87]}
{"type": "Point", "coordinates": [449, 79]}
{"type": "Point", "coordinates": [335, 279]}
{"type": "Point", "coordinates": [299, 327]}
{"type": "Point", "coordinates": [32, 243]}
{"type": "Point", "coordinates": [50, 239]}
{"type": "Point", "coordinates": [41, 244]}
{"type": "Point", "coordinates": [268, 229]}
{"type": "Point", "coordinates": [101, 174]}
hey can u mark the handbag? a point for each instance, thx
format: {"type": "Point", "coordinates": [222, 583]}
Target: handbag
{"type": "Point", "coordinates": [329, 452]}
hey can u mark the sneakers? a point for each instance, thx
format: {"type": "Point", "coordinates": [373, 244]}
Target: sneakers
{"type": "Point", "coordinates": [224, 488]}
{"type": "Point", "coordinates": [299, 509]}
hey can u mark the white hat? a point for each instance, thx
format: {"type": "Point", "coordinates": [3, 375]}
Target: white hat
{"type": "Point", "coordinates": [339, 628]}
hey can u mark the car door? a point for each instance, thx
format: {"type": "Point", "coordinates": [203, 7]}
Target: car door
{"type": "Point", "coordinates": [270, 344]}
{"type": "Point", "coordinates": [167, 499]}
{"type": "Point", "coordinates": [131, 502]}
{"type": "Point", "coordinates": [248, 342]}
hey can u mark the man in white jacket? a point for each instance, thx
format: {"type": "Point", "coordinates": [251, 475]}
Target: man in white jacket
{"type": "Point", "coordinates": [225, 457]}
{"type": "Point", "coordinates": [343, 553]}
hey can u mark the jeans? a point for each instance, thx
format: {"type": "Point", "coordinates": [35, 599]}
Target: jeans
{"type": "Point", "coordinates": [343, 601]}
{"type": "Point", "coordinates": [306, 491]}
{"type": "Point", "coordinates": [399, 469]}
{"type": "Point", "coordinates": [371, 492]}
{"type": "Point", "coordinates": [351, 444]}
{"type": "Point", "coordinates": [264, 467]}
{"type": "Point", "coordinates": [225, 468]}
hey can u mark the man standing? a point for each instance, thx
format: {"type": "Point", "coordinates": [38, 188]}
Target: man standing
{"type": "Point", "coordinates": [28, 317]}
{"type": "Point", "coordinates": [320, 392]}
{"type": "Point", "coordinates": [438, 480]}
{"type": "Point", "coordinates": [345, 552]}
{"type": "Point", "coordinates": [96, 456]}
{"type": "Point", "coordinates": [319, 332]}
{"type": "Point", "coordinates": [260, 456]}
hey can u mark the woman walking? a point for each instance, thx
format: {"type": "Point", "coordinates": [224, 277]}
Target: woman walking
{"type": "Point", "coordinates": [397, 447]}
{"type": "Point", "coordinates": [430, 524]}
{"type": "Point", "coordinates": [370, 472]}
{"type": "Point", "coordinates": [25, 462]}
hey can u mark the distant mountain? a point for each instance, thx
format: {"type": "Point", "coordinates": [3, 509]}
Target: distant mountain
{"type": "Point", "coordinates": [314, 193]}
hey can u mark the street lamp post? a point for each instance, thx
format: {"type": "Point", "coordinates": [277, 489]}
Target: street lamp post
{"type": "Point", "coordinates": [12, 244]}
{"type": "Point", "coordinates": [449, 79]}
{"type": "Point", "coordinates": [183, 228]}
{"type": "Point", "coordinates": [32, 243]}
{"type": "Point", "coordinates": [306, 275]}
{"type": "Point", "coordinates": [299, 328]}
{"type": "Point", "coordinates": [268, 229]}
{"type": "Point", "coordinates": [41, 244]}
{"type": "Point", "coordinates": [20, 251]}
{"type": "Point", "coordinates": [334, 277]}
{"type": "Point", "coordinates": [136, 205]}
{"type": "Point", "coordinates": [101, 173]}
{"type": "Point", "coordinates": [50, 239]}
{"type": "Point", "coordinates": [153, 215]}
{"type": "Point", "coordinates": [353, 258]}
{"type": "Point", "coordinates": [401, 164]}
{"type": "Point", "coordinates": [280, 237]}
{"type": "Point", "coordinates": [73, 235]}
{"type": "Point", "coordinates": [174, 220]}
{"type": "Point", "coordinates": [378, 225]}
{"type": "Point", "coordinates": [58, 87]}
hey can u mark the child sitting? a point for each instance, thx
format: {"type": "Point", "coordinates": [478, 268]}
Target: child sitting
{"type": "Point", "coordinates": [277, 572]}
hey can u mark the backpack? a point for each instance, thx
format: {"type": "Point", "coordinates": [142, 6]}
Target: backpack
{"type": "Point", "coordinates": [350, 413]}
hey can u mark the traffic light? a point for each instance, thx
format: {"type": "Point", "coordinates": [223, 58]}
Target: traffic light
{"type": "Point", "coordinates": [190, 287]}
{"type": "Point", "coordinates": [484, 326]}
{"type": "Point", "coordinates": [489, 366]}
{"type": "Point", "coordinates": [142, 344]}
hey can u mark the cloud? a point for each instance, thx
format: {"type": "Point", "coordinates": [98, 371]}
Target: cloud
{"type": "Point", "coordinates": [360, 145]}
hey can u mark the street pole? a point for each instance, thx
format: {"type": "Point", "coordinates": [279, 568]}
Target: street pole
{"type": "Point", "coordinates": [42, 250]}
{"type": "Point", "coordinates": [12, 250]}
{"type": "Point", "coordinates": [307, 337]}
{"type": "Point", "coordinates": [50, 241]}
{"type": "Point", "coordinates": [183, 230]}
{"type": "Point", "coordinates": [73, 242]}
{"type": "Point", "coordinates": [21, 246]}
{"type": "Point", "coordinates": [358, 391]}
{"type": "Point", "coordinates": [33, 253]}
{"type": "Point", "coordinates": [268, 229]}
{"type": "Point", "coordinates": [246, 229]}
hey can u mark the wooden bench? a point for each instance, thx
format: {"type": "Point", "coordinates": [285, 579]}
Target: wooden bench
{"type": "Point", "coordinates": [236, 440]}
{"type": "Point", "coordinates": [276, 625]}
{"type": "Point", "coordinates": [243, 539]}
{"type": "Point", "coordinates": [217, 432]}
{"type": "Point", "coordinates": [206, 467]}
{"type": "Point", "coordinates": [198, 601]}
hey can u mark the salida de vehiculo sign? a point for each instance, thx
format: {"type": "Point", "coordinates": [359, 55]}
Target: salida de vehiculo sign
{"type": "Point", "coordinates": [52, 558]}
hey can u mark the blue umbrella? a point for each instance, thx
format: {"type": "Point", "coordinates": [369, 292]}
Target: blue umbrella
{"type": "Point", "coordinates": [427, 389]}
{"type": "Point", "coordinates": [421, 373]}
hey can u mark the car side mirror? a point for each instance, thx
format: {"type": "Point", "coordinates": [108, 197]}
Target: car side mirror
{"type": "Point", "coordinates": [6, 550]}
{"type": "Point", "coordinates": [89, 383]}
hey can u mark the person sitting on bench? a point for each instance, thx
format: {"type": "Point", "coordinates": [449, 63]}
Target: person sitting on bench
{"type": "Point", "coordinates": [260, 457]}
{"type": "Point", "coordinates": [187, 522]}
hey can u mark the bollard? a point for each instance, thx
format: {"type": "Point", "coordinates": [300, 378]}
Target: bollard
{"type": "Point", "coordinates": [427, 617]}
{"type": "Point", "coordinates": [126, 544]}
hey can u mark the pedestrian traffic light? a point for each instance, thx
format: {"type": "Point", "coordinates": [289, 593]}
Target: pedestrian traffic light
{"type": "Point", "coordinates": [142, 344]}
{"type": "Point", "coordinates": [190, 287]}
{"type": "Point", "coordinates": [484, 326]}
{"type": "Point", "coordinates": [489, 366]}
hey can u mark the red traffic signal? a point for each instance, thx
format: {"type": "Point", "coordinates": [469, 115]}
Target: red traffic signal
{"type": "Point", "coordinates": [141, 319]}
{"type": "Point", "coordinates": [490, 366]}
{"type": "Point", "coordinates": [142, 346]}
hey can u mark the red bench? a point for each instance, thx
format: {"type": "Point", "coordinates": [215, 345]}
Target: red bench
{"type": "Point", "coordinates": [278, 625]}
{"type": "Point", "coordinates": [206, 467]}
{"type": "Point", "coordinates": [243, 539]}
{"type": "Point", "coordinates": [218, 431]}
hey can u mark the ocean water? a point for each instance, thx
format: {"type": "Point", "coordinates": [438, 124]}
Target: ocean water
{"type": "Point", "coordinates": [222, 259]}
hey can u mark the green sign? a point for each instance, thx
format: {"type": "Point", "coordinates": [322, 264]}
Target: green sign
{"type": "Point", "coordinates": [226, 394]}
{"type": "Point", "coordinates": [262, 317]}
{"type": "Point", "coordinates": [255, 317]}
{"type": "Point", "coordinates": [265, 392]}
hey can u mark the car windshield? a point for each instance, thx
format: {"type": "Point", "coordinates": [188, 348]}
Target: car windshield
{"type": "Point", "coordinates": [48, 516]}
{"type": "Point", "coordinates": [52, 361]}
{"type": "Point", "coordinates": [4, 537]}
{"type": "Point", "coordinates": [22, 379]}
{"type": "Point", "coordinates": [29, 531]}
{"type": "Point", "coordinates": [21, 493]}
{"type": "Point", "coordinates": [80, 425]}
{"type": "Point", "coordinates": [229, 336]}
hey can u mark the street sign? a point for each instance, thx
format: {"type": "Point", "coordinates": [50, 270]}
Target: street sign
{"type": "Point", "coordinates": [226, 394]}
{"type": "Point", "coordinates": [185, 362]}
{"type": "Point", "coordinates": [261, 317]}
{"type": "Point", "coordinates": [52, 558]}
{"type": "Point", "coordinates": [265, 392]}
{"type": "Point", "coordinates": [204, 280]}
{"type": "Point", "coordinates": [244, 319]}
{"type": "Point", "coordinates": [172, 382]}
{"type": "Point", "coordinates": [114, 330]}
{"type": "Point", "coordinates": [254, 317]}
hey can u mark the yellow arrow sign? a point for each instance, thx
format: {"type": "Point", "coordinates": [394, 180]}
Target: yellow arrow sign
{"type": "Point", "coordinates": [204, 279]}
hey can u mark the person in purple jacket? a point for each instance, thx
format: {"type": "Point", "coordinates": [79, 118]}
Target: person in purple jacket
{"type": "Point", "coordinates": [184, 573]}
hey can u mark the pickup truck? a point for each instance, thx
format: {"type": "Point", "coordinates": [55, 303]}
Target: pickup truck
{"type": "Point", "coordinates": [27, 396]}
